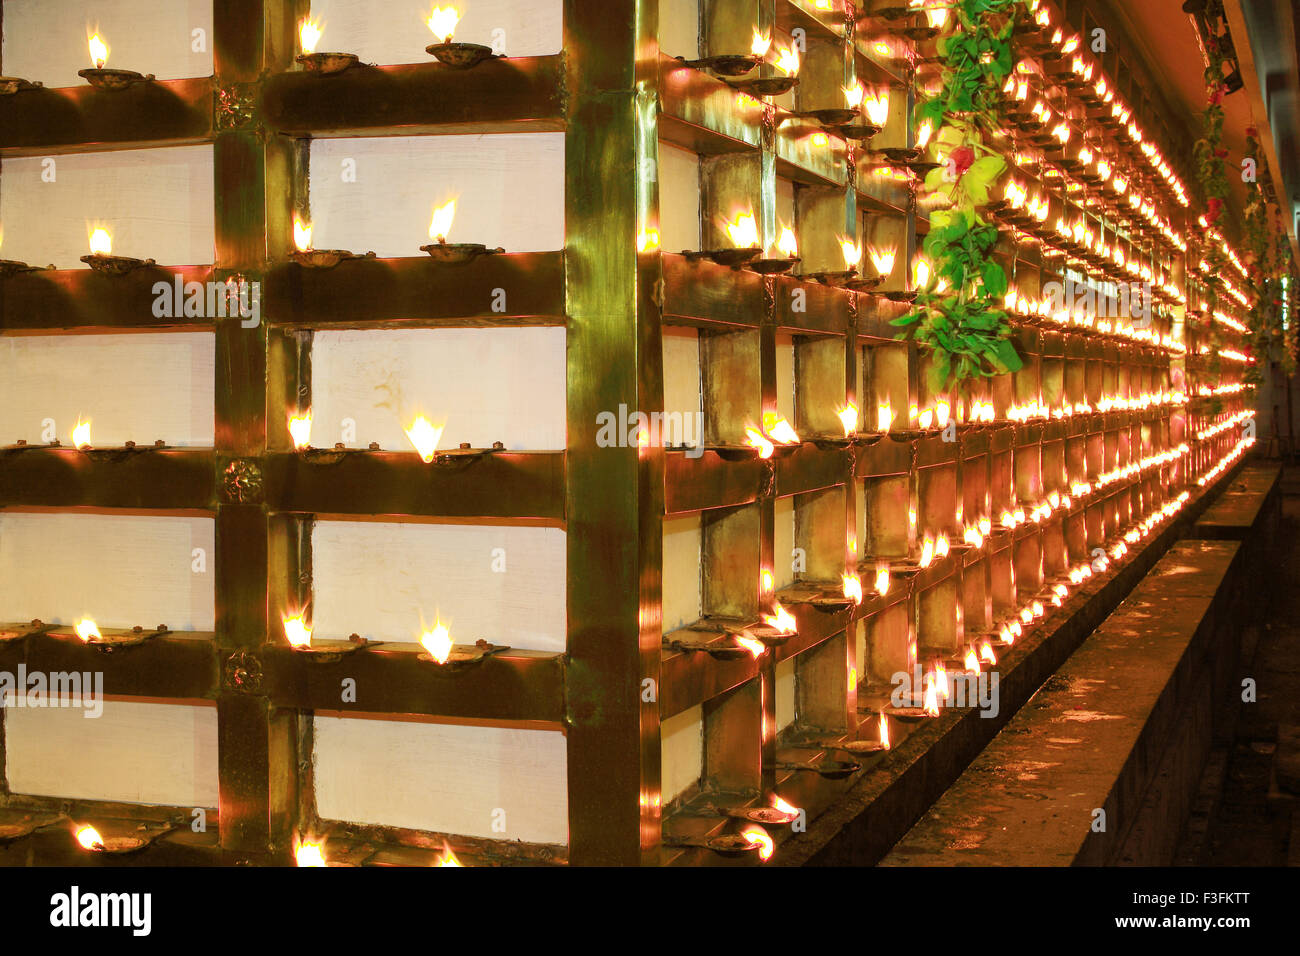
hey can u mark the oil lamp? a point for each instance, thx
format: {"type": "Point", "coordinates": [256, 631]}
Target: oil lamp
{"type": "Point", "coordinates": [107, 640]}
{"type": "Point", "coordinates": [735, 64]}
{"type": "Point", "coordinates": [101, 257]}
{"type": "Point", "coordinates": [459, 56]}
{"type": "Point", "coordinates": [89, 839]}
{"type": "Point", "coordinates": [743, 233]}
{"type": "Point", "coordinates": [884, 416]}
{"type": "Point", "coordinates": [311, 258]}
{"type": "Point", "coordinates": [9, 85]}
{"type": "Point", "coordinates": [105, 79]}
{"type": "Point", "coordinates": [310, 853]}
{"type": "Point", "coordinates": [848, 416]}
{"type": "Point", "coordinates": [852, 588]}
{"type": "Point", "coordinates": [788, 248]}
{"type": "Point", "coordinates": [781, 621]}
{"type": "Point", "coordinates": [778, 429]}
{"type": "Point", "coordinates": [298, 633]}
{"type": "Point", "coordinates": [425, 436]}
{"type": "Point", "coordinates": [439, 649]}
{"type": "Point", "coordinates": [882, 579]}
{"type": "Point", "coordinates": [324, 64]}
{"type": "Point", "coordinates": [12, 267]}
{"type": "Point", "coordinates": [757, 440]}
{"type": "Point", "coordinates": [440, 250]}
{"type": "Point", "coordinates": [81, 435]}
{"type": "Point", "coordinates": [300, 430]}
{"type": "Point", "coordinates": [854, 127]}
{"type": "Point", "coordinates": [787, 61]}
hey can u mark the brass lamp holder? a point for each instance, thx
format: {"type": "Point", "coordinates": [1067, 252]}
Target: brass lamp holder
{"type": "Point", "coordinates": [102, 78]}
{"type": "Point", "coordinates": [460, 56]}
{"type": "Point", "coordinates": [327, 64]}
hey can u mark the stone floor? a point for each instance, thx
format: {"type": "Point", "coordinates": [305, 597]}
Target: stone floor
{"type": "Point", "coordinates": [1234, 822]}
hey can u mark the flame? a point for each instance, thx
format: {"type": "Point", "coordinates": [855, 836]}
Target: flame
{"type": "Point", "coordinates": [761, 43]}
{"type": "Point", "coordinates": [309, 33]}
{"type": "Point", "coordinates": [449, 858]}
{"type": "Point", "coordinates": [765, 581]}
{"type": "Point", "coordinates": [883, 260]}
{"type": "Point", "coordinates": [927, 552]}
{"type": "Point", "coordinates": [89, 838]}
{"type": "Point", "coordinates": [782, 620]}
{"type": "Point", "coordinates": [756, 439]}
{"type": "Point", "coordinates": [884, 416]}
{"type": "Point", "coordinates": [424, 436]}
{"type": "Point", "coordinates": [101, 243]}
{"type": "Point", "coordinates": [941, 546]}
{"type": "Point", "coordinates": [877, 107]}
{"type": "Point", "coordinates": [941, 679]}
{"type": "Point", "coordinates": [87, 630]}
{"type": "Point", "coordinates": [787, 60]}
{"type": "Point", "coordinates": [787, 244]}
{"type": "Point", "coordinates": [743, 231]}
{"type": "Point", "coordinates": [930, 700]}
{"type": "Point", "coordinates": [300, 429]}
{"type": "Point", "coordinates": [972, 661]}
{"type": "Point", "coordinates": [923, 134]}
{"type": "Point", "coordinates": [438, 642]}
{"type": "Point", "coordinates": [852, 253]}
{"type": "Point", "coordinates": [853, 588]}
{"type": "Point", "coordinates": [750, 643]}
{"type": "Point", "coordinates": [784, 807]}
{"type": "Point", "coordinates": [848, 416]}
{"type": "Point", "coordinates": [853, 95]}
{"type": "Point", "coordinates": [310, 854]}
{"type": "Point", "coordinates": [779, 430]}
{"type": "Point", "coordinates": [986, 653]}
{"type": "Point", "coordinates": [882, 579]}
{"type": "Point", "coordinates": [98, 51]}
{"type": "Point", "coordinates": [301, 234]}
{"type": "Point", "coordinates": [884, 731]}
{"type": "Point", "coordinates": [297, 631]}
{"type": "Point", "coordinates": [941, 412]}
{"type": "Point", "coordinates": [766, 846]}
{"type": "Point", "coordinates": [442, 219]}
{"type": "Point", "coordinates": [81, 434]}
{"type": "Point", "coordinates": [925, 419]}
{"type": "Point", "coordinates": [442, 22]}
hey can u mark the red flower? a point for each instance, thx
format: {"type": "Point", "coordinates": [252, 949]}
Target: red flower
{"type": "Point", "coordinates": [1214, 209]}
{"type": "Point", "coordinates": [962, 158]}
{"type": "Point", "coordinates": [1216, 96]}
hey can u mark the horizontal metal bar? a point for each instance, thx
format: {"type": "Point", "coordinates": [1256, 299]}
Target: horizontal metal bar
{"type": "Point", "coordinates": [515, 94]}
{"type": "Point", "coordinates": [511, 685]}
{"type": "Point", "coordinates": [88, 301]}
{"type": "Point", "coordinates": [496, 485]}
{"type": "Point", "coordinates": [810, 467]}
{"type": "Point", "coordinates": [695, 289]}
{"type": "Point", "coordinates": [154, 113]}
{"type": "Point", "coordinates": [180, 664]}
{"type": "Point", "coordinates": [709, 481]}
{"type": "Point", "coordinates": [497, 290]}
{"type": "Point", "coordinates": [170, 479]}
{"type": "Point", "coordinates": [688, 678]}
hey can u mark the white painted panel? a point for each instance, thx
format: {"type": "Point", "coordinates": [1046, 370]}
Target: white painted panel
{"type": "Point", "coordinates": [679, 28]}
{"type": "Point", "coordinates": [509, 191]}
{"type": "Point", "coordinates": [394, 31]}
{"type": "Point", "coordinates": [785, 709]}
{"type": "Point", "coordinates": [133, 753]}
{"type": "Point", "coordinates": [682, 372]}
{"type": "Point", "coordinates": [681, 746]}
{"type": "Point", "coordinates": [486, 385]}
{"type": "Point", "coordinates": [783, 542]}
{"type": "Point", "coordinates": [387, 581]}
{"type": "Point", "coordinates": [120, 570]}
{"type": "Point", "coordinates": [443, 777]}
{"type": "Point", "coordinates": [46, 39]}
{"type": "Point", "coordinates": [156, 203]}
{"type": "Point", "coordinates": [130, 387]}
{"type": "Point", "coordinates": [785, 377]}
{"type": "Point", "coordinates": [681, 577]}
{"type": "Point", "coordinates": [679, 198]}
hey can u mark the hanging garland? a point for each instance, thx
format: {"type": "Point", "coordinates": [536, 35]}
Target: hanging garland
{"type": "Point", "coordinates": [958, 315]}
{"type": "Point", "coordinates": [1209, 151]}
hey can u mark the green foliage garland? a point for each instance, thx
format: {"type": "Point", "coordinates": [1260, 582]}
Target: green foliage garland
{"type": "Point", "coordinates": [965, 326]}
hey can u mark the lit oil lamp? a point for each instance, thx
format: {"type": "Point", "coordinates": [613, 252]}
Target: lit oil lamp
{"type": "Point", "coordinates": [855, 127]}
{"type": "Point", "coordinates": [101, 257]}
{"type": "Point", "coordinates": [459, 56]}
{"type": "Point", "coordinates": [451, 252]}
{"type": "Point", "coordinates": [882, 579]}
{"type": "Point", "coordinates": [735, 64]}
{"type": "Point", "coordinates": [757, 440]}
{"type": "Point", "coordinates": [781, 620]}
{"type": "Point", "coordinates": [852, 588]}
{"type": "Point", "coordinates": [89, 839]}
{"type": "Point", "coordinates": [742, 231]}
{"type": "Point", "coordinates": [325, 64]}
{"type": "Point", "coordinates": [298, 633]}
{"type": "Point", "coordinates": [310, 853]}
{"type": "Point", "coordinates": [440, 649]}
{"type": "Point", "coordinates": [9, 85]}
{"type": "Point", "coordinates": [787, 248]}
{"type": "Point", "coordinates": [780, 813]}
{"type": "Point", "coordinates": [780, 431]}
{"type": "Point", "coordinates": [311, 258]}
{"type": "Point", "coordinates": [81, 434]}
{"type": "Point", "coordinates": [884, 417]}
{"type": "Point", "coordinates": [787, 61]}
{"type": "Point", "coordinates": [106, 640]}
{"type": "Point", "coordinates": [105, 79]}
